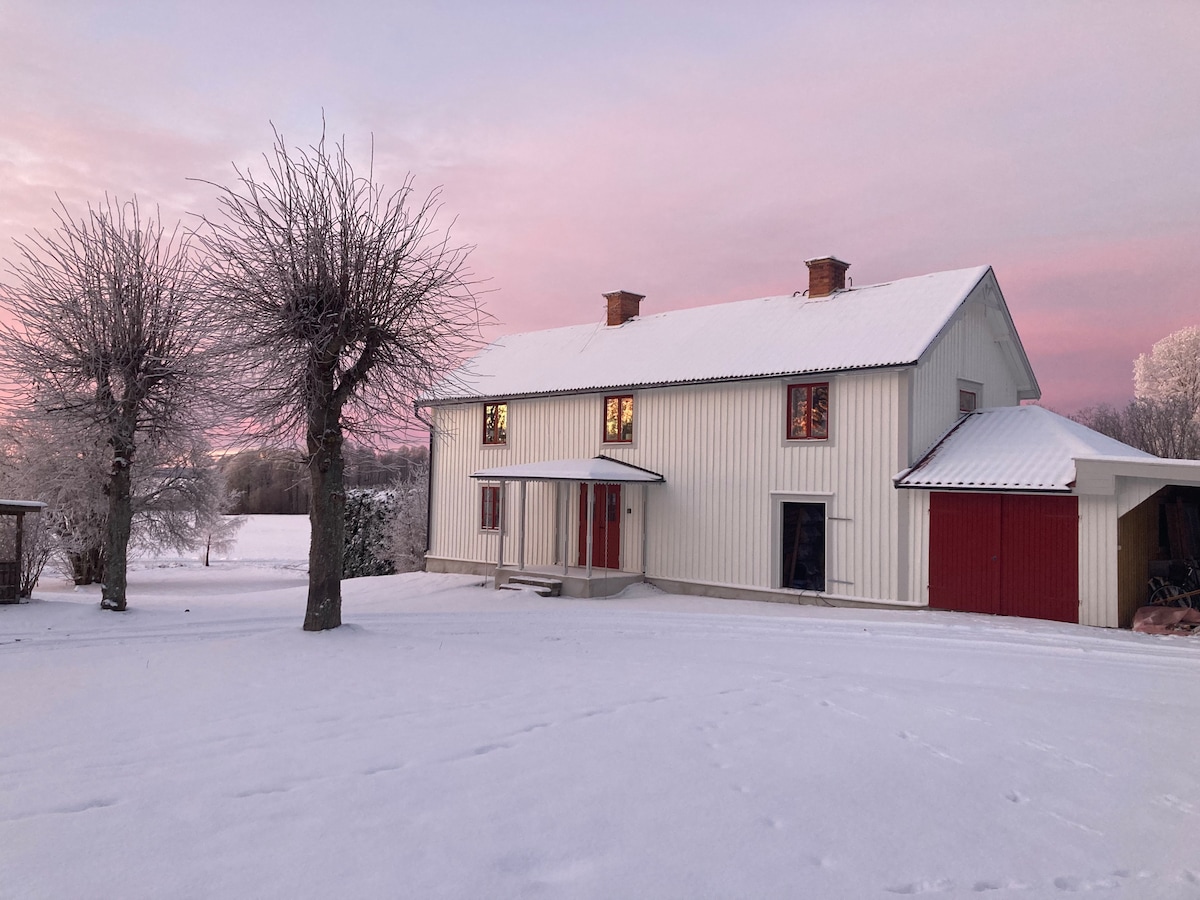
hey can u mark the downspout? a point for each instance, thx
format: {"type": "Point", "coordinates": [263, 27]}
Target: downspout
{"type": "Point", "coordinates": [429, 480]}
{"type": "Point", "coordinates": [591, 520]}
{"type": "Point", "coordinates": [503, 523]}
{"type": "Point", "coordinates": [645, 513]}
{"type": "Point", "coordinates": [521, 533]}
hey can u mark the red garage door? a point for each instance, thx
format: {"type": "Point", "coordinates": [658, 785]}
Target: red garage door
{"type": "Point", "coordinates": [1006, 554]}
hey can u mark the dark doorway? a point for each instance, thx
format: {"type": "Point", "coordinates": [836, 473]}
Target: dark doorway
{"type": "Point", "coordinates": [803, 546]}
{"type": "Point", "coordinates": [606, 526]}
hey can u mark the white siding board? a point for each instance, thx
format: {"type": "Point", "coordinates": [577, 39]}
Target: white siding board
{"type": "Point", "coordinates": [966, 350]}
{"type": "Point", "coordinates": [1098, 561]}
{"type": "Point", "coordinates": [724, 455]}
{"type": "Point", "coordinates": [918, 531]}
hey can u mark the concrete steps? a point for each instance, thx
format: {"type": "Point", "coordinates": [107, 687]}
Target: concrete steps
{"type": "Point", "coordinates": [538, 584]}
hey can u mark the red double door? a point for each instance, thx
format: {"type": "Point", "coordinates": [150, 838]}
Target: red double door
{"type": "Point", "coordinates": [606, 526]}
{"type": "Point", "coordinates": [1005, 554]}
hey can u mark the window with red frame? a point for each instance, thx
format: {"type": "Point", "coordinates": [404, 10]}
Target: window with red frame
{"type": "Point", "coordinates": [808, 412]}
{"type": "Point", "coordinates": [495, 423]}
{"type": "Point", "coordinates": [618, 419]}
{"type": "Point", "coordinates": [967, 401]}
{"type": "Point", "coordinates": [489, 518]}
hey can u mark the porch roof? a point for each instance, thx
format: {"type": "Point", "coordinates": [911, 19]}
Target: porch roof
{"type": "Point", "coordinates": [599, 468]}
{"type": "Point", "coordinates": [12, 507]}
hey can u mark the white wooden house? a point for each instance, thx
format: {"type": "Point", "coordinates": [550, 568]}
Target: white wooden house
{"type": "Point", "coordinates": [840, 445]}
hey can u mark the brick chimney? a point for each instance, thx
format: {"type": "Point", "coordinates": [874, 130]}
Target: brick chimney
{"type": "Point", "coordinates": [622, 306]}
{"type": "Point", "coordinates": [826, 274]}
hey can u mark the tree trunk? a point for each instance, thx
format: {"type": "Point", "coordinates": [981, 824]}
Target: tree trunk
{"type": "Point", "coordinates": [87, 565]}
{"type": "Point", "coordinates": [120, 521]}
{"type": "Point", "coordinates": [327, 515]}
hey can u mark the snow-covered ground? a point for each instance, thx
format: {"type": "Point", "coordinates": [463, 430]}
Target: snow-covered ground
{"type": "Point", "coordinates": [453, 741]}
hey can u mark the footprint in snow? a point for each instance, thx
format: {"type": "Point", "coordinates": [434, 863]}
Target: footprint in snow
{"type": "Point", "coordinates": [841, 710]}
{"type": "Point", "coordinates": [490, 748]}
{"type": "Point", "coordinates": [1068, 883]}
{"type": "Point", "coordinates": [1172, 802]}
{"type": "Point", "coordinates": [257, 792]}
{"type": "Point", "coordinates": [69, 809]}
{"type": "Point", "coordinates": [938, 886]}
{"type": "Point", "coordinates": [936, 751]}
{"type": "Point", "coordinates": [383, 770]}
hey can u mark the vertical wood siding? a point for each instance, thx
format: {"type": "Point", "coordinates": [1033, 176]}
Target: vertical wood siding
{"type": "Point", "coordinates": [966, 350]}
{"type": "Point", "coordinates": [723, 452]}
{"type": "Point", "coordinates": [1137, 538]}
{"type": "Point", "coordinates": [1098, 561]}
{"type": "Point", "coordinates": [918, 536]}
{"type": "Point", "coordinates": [1005, 554]}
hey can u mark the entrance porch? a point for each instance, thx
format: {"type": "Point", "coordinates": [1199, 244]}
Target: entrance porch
{"type": "Point", "coordinates": [592, 508]}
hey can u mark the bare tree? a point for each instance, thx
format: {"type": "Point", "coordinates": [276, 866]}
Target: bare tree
{"type": "Point", "coordinates": [104, 315]}
{"type": "Point", "coordinates": [339, 302]}
{"type": "Point", "coordinates": [1166, 428]}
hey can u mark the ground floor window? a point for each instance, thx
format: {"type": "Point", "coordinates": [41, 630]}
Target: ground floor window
{"type": "Point", "coordinates": [803, 546]}
{"type": "Point", "coordinates": [489, 517]}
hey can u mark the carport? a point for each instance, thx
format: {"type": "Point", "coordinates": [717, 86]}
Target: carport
{"type": "Point", "coordinates": [1156, 504]}
{"type": "Point", "coordinates": [1031, 514]}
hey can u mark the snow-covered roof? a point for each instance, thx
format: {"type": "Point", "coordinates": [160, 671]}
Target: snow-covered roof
{"type": "Point", "coordinates": [16, 506]}
{"type": "Point", "coordinates": [599, 468]}
{"type": "Point", "coordinates": [880, 325]}
{"type": "Point", "coordinates": [1014, 448]}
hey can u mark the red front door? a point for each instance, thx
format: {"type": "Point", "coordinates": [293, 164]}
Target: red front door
{"type": "Point", "coordinates": [606, 526]}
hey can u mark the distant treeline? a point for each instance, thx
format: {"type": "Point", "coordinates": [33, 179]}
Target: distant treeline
{"type": "Point", "coordinates": [275, 482]}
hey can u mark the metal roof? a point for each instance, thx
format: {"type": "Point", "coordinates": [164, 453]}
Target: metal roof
{"type": "Point", "coordinates": [880, 325]}
{"type": "Point", "coordinates": [1013, 448]}
{"type": "Point", "coordinates": [599, 468]}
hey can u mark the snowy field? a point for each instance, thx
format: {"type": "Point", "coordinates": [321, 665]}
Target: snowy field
{"type": "Point", "coordinates": [457, 742]}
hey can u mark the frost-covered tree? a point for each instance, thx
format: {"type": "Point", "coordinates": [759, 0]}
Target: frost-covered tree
{"type": "Point", "coordinates": [179, 499]}
{"type": "Point", "coordinates": [36, 547]}
{"type": "Point", "coordinates": [339, 302]}
{"type": "Point", "coordinates": [66, 470]}
{"type": "Point", "coordinates": [101, 333]}
{"type": "Point", "coordinates": [1171, 370]}
{"type": "Point", "coordinates": [410, 525]}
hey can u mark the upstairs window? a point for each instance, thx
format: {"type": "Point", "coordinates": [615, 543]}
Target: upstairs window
{"type": "Point", "coordinates": [969, 393]}
{"type": "Point", "coordinates": [618, 419]}
{"type": "Point", "coordinates": [808, 412]}
{"type": "Point", "coordinates": [495, 423]}
{"type": "Point", "coordinates": [489, 515]}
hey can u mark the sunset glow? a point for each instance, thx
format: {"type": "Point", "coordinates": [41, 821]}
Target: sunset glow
{"type": "Point", "coordinates": [694, 153]}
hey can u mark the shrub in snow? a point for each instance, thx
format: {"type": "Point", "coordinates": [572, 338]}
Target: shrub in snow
{"type": "Point", "coordinates": [385, 529]}
{"type": "Point", "coordinates": [369, 516]}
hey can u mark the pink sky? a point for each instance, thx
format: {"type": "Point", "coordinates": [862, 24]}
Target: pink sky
{"type": "Point", "coordinates": [695, 152]}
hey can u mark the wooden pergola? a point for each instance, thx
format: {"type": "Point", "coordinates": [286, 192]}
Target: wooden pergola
{"type": "Point", "coordinates": [11, 551]}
